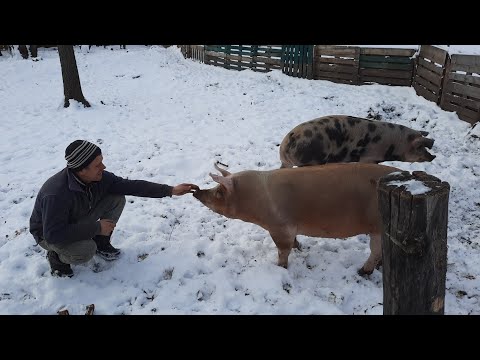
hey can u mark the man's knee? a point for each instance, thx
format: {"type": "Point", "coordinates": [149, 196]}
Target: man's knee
{"type": "Point", "coordinates": [120, 200]}
{"type": "Point", "coordinates": [43, 244]}
{"type": "Point", "coordinates": [78, 253]}
{"type": "Point", "coordinates": [117, 202]}
{"type": "Point", "coordinates": [110, 207]}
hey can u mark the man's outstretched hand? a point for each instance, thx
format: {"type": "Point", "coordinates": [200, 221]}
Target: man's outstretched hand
{"type": "Point", "coordinates": [182, 189]}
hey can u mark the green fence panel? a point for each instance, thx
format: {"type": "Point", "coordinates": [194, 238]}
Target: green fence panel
{"type": "Point", "coordinates": [298, 60]}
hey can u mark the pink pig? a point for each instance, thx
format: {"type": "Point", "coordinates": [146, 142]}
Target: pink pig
{"type": "Point", "coordinates": [332, 200]}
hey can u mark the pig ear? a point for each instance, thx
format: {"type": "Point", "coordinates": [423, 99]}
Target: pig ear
{"type": "Point", "coordinates": [225, 181]}
{"type": "Point", "coordinates": [421, 141]}
{"type": "Point", "coordinates": [223, 171]}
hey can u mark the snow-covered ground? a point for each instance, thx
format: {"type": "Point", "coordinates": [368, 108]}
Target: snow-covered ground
{"type": "Point", "coordinates": [163, 118]}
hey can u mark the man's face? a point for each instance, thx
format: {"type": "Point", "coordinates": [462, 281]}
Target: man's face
{"type": "Point", "coordinates": [93, 172]}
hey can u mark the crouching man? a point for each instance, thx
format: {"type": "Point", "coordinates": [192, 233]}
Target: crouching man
{"type": "Point", "coordinates": [77, 209]}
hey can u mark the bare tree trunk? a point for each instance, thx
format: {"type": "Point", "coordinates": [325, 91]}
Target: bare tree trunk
{"type": "Point", "coordinates": [33, 50]}
{"type": "Point", "coordinates": [71, 80]}
{"type": "Point", "coordinates": [23, 51]}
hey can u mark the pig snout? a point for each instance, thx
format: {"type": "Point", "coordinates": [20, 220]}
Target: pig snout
{"type": "Point", "coordinates": [422, 155]}
{"type": "Point", "coordinates": [197, 194]}
{"type": "Point", "coordinates": [203, 196]}
{"type": "Point", "coordinates": [425, 155]}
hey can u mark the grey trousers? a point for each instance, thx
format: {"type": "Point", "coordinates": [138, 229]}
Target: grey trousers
{"type": "Point", "coordinates": [78, 252]}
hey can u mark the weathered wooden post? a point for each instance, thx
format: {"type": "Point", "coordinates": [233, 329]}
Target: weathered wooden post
{"type": "Point", "coordinates": [414, 211]}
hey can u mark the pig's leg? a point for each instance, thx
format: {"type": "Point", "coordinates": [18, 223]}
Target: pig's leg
{"type": "Point", "coordinates": [296, 244]}
{"type": "Point", "coordinates": [375, 257]}
{"type": "Point", "coordinates": [284, 239]}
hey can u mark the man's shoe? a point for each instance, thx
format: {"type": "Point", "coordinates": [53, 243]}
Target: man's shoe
{"type": "Point", "coordinates": [58, 268]}
{"type": "Point", "coordinates": [105, 250]}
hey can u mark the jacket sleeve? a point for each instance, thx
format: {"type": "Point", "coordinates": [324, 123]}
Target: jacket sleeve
{"type": "Point", "coordinates": [56, 228]}
{"type": "Point", "coordinates": [142, 188]}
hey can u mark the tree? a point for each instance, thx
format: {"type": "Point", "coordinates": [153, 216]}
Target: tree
{"type": "Point", "coordinates": [23, 51]}
{"type": "Point", "coordinates": [34, 50]}
{"type": "Point", "coordinates": [71, 80]}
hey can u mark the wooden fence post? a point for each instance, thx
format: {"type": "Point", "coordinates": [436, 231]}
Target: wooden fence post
{"type": "Point", "coordinates": [414, 242]}
{"type": "Point", "coordinates": [445, 78]}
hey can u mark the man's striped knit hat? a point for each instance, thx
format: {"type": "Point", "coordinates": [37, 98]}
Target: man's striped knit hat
{"type": "Point", "coordinates": [80, 153]}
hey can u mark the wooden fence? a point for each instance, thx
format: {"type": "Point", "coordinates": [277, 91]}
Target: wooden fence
{"type": "Point", "coordinates": [297, 60]}
{"type": "Point", "coordinates": [430, 72]}
{"type": "Point", "coordinates": [261, 58]}
{"type": "Point", "coordinates": [355, 65]}
{"type": "Point", "coordinates": [452, 82]}
{"type": "Point", "coordinates": [336, 63]}
{"type": "Point", "coordinates": [461, 87]}
{"type": "Point", "coordinates": [386, 66]}
{"type": "Point", "coordinates": [195, 52]}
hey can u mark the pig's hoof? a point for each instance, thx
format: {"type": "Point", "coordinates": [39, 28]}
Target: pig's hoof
{"type": "Point", "coordinates": [363, 272]}
{"type": "Point", "coordinates": [283, 265]}
{"type": "Point", "coordinates": [296, 245]}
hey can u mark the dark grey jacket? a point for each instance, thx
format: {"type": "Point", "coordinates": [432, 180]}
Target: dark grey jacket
{"type": "Point", "coordinates": [61, 201]}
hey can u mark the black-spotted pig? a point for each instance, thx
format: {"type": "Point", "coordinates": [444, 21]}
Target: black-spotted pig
{"type": "Point", "coordinates": [341, 138]}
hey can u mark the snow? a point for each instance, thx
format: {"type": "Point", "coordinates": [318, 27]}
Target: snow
{"type": "Point", "coordinates": [162, 118]}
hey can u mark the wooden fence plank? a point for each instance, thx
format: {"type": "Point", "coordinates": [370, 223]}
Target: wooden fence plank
{"type": "Point", "coordinates": [386, 81]}
{"type": "Point", "coordinates": [216, 48]}
{"type": "Point", "coordinates": [430, 66]}
{"type": "Point", "coordinates": [387, 73]}
{"type": "Point", "coordinates": [468, 60]}
{"type": "Point", "coordinates": [464, 114]}
{"type": "Point", "coordinates": [295, 60]}
{"type": "Point", "coordinates": [287, 60]}
{"type": "Point", "coordinates": [197, 52]}
{"type": "Point", "coordinates": [309, 51]}
{"type": "Point", "coordinates": [425, 83]}
{"type": "Point", "coordinates": [466, 68]}
{"type": "Point", "coordinates": [388, 52]}
{"type": "Point", "coordinates": [345, 52]}
{"type": "Point", "coordinates": [462, 89]}
{"type": "Point", "coordinates": [462, 101]}
{"type": "Point", "coordinates": [384, 59]}
{"type": "Point", "coordinates": [331, 74]}
{"type": "Point", "coordinates": [269, 61]}
{"type": "Point", "coordinates": [337, 80]}
{"type": "Point", "coordinates": [270, 52]}
{"type": "Point", "coordinates": [336, 68]}
{"type": "Point", "coordinates": [464, 78]}
{"type": "Point", "coordinates": [427, 94]}
{"type": "Point", "coordinates": [305, 58]}
{"type": "Point", "coordinates": [392, 66]}
{"type": "Point", "coordinates": [433, 53]}
{"type": "Point", "coordinates": [216, 54]}
{"type": "Point", "coordinates": [429, 75]}
{"type": "Point", "coordinates": [339, 61]}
